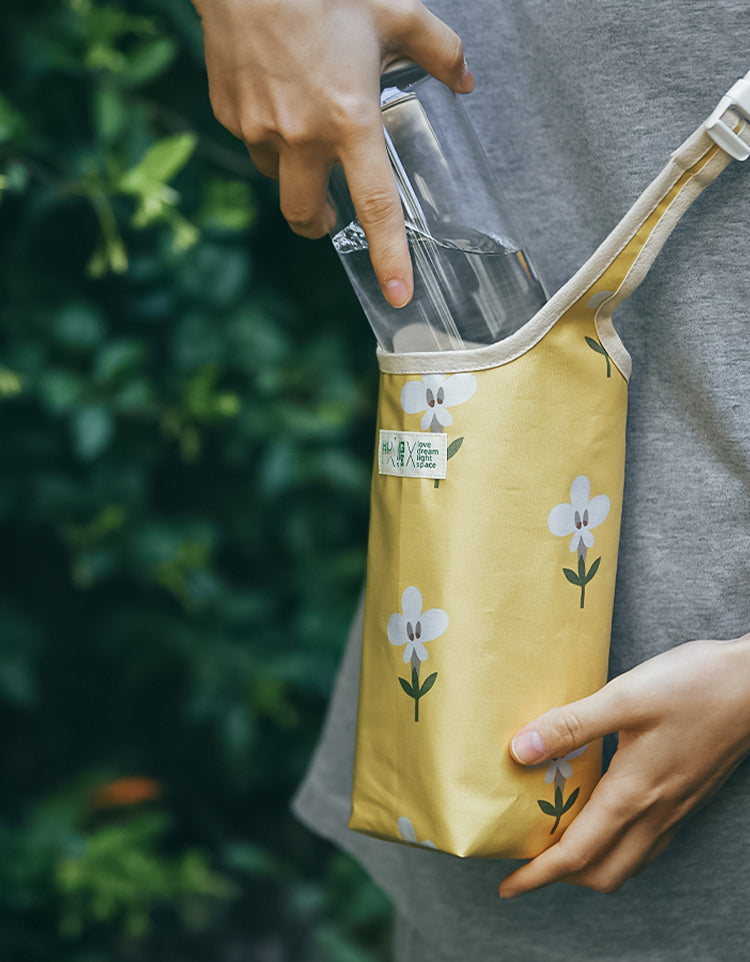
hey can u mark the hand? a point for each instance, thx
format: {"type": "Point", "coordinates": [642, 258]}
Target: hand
{"type": "Point", "coordinates": [299, 82]}
{"type": "Point", "coordinates": [684, 724]}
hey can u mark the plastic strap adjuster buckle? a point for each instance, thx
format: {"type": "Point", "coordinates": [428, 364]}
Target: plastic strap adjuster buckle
{"type": "Point", "coordinates": [738, 100]}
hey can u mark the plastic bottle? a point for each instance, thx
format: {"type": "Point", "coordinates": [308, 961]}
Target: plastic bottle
{"type": "Point", "coordinates": [473, 282]}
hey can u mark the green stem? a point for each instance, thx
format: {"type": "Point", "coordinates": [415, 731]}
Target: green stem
{"type": "Point", "coordinates": [416, 709]}
{"type": "Point", "coordinates": [583, 593]}
{"type": "Point", "coordinates": [557, 822]}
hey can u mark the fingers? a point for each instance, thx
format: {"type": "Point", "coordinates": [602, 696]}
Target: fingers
{"type": "Point", "coordinates": [373, 191]}
{"type": "Point", "coordinates": [562, 730]}
{"type": "Point", "coordinates": [425, 38]}
{"type": "Point", "coordinates": [303, 182]}
{"type": "Point", "coordinates": [265, 159]}
{"type": "Point", "coordinates": [588, 838]}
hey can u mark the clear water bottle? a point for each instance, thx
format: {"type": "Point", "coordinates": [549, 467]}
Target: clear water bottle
{"type": "Point", "coordinates": [473, 282]}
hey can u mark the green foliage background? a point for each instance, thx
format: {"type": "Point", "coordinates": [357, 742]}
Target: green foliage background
{"type": "Point", "coordinates": [186, 396]}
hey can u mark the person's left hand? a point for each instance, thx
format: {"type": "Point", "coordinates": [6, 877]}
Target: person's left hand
{"type": "Point", "coordinates": [683, 719]}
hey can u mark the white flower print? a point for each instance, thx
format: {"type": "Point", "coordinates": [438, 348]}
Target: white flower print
{"type": "Point", "coordinates": [558, 771]}
{"type": "Point", "coordinates": [560, 768]}
{"type": "Point", "coordinates": [580, 516]}
{"type": "Point", "coordinates": [434, 395]}
{"type": "Point", "coordinates": [407, 833]}
{"type": "Point", "coordinates": [414, 628]}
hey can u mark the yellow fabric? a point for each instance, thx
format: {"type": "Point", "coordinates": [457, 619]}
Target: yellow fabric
{"type": "Point", "coordinates": [479, 557]}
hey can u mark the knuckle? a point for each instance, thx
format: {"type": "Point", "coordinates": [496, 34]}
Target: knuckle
{"type": "Point", "coordinates": [577, 862]}
{"type": "Point", "coordinates": [226, 116]}
{"type": "Point", "coordinates": [376, 208]}
{"type": "Point", "coordinates": [351, 116]}
{"type": "Point", "coordinates": [605, 883]}
{"type": "Point", "coordinates": [453, 50]}
{"type": "Point", "coordinates": [297, 135]}
{"type": "Point", "coordinates": [251, 131]}
{"type": "Point", "coordinates": [303, 221]}
{"type": "Point", "coordinates": [569, 728]}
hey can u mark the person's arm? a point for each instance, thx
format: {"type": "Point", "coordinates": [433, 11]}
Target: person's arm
{"type": "Point", "coordinates": [683, 719]}
{"type": "Point", "coordinates": [299, 80]}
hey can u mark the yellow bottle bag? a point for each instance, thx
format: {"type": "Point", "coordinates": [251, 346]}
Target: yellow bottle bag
{"type": "Point", "coordinates": [495, 513]}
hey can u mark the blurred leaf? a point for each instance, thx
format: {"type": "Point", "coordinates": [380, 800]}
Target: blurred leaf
{"type": "Point", "coordinates": [12, 122]}
{"type": "Point", "coordinates": [117, 358]}
{"type": "Point", "coordinates": [228, 205]}
{"type": "Point", "coordinates": [110, 111]}
{"type": "Point", "coordinates": [92, 427]}
{"type": "Point", "coordinates": [78, 325]}
{"type": "Point", "coordinates": [148, 61]}
{"type": "Point", "coordinates": [159, 164]}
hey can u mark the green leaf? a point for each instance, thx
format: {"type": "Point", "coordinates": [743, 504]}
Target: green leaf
{"type": "Point", "coordinates": [572, 576]}
{"type": "Point", "coordinates": [118, 357]}
{"type": "Point", "coordinates": [546, 807]}
{"type": "Point", "coordinates": [227, 205]}
{"type": "Point", "coordinates": [78, 325]}
{"type": "Point", "coordinates": [92, 428]}
{"type": "Point", "coordinates": [595, 346]}
{"type": "Point", "coordinates": [593, 569]}
{"type": "Point", "coordinates": [110, 112]}
{"type": "Point", "coordinates": [454, 446]}
{"type": "Point", "coordinates": [411, 692]}
{"type": "Point", "coordinates": [571, 801]}
{"type": "Point", "coordinates": [427, 684]}
{"type": "Point", "coordinates": [150, 60]}
{"type": "Point", "coordinates": [159, 164]}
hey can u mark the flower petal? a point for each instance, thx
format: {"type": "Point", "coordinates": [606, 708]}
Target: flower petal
{"type": "Point", "coordinates": [427, 419]}
{"type": "Point", "coordinates": [562, 520]}
{"type": "Point", "coordinates": [434, 622]}
{"type": "Point", "coordinates": [429, 844]}
{"type": "Point", "coordinates": [566, 769]}
{"type": "Point", "coordinates": [411, 604]}
{"type": "Point", "coordinates": [434, 382]}
{"type": "Point", "coordinates": [587, 537]}
{"type": "Point", "coordinates": [580, 490]}
{"type": "Point", "coordinates": [443, 416]}
{"type": "Point", "coordinates": [549, 775]}
{"type": "Point", "coordinates": [598, 509]}
{"type": "Point", "coordinates": [397, 630]}
{"type": "Point", "coordinates": [420, 650]}
{"type": "Point", "coordinates": [459, 388]}
{"type": "Point", "coordinates": [575, 541]}
{"type": "Point", "coordinates": [576, 752]}
{"type": "Point", "coordinates": [413, 397]}
{"type": "Point", "coordinates": [406, 830]}
{"type": "Point", "coordinates": [408, 652]}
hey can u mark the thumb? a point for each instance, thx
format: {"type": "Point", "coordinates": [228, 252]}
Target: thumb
{"type": "Point", "coordinates": [563, 730]}
{"type": "Point", "coordinates": [433, 45]}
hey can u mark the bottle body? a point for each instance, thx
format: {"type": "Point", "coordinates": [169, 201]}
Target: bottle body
{"type": "Point", "coordinates": [473, 282]}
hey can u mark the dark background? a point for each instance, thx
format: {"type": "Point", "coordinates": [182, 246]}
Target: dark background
{"type": "Point", "coordinates": [186, 410]}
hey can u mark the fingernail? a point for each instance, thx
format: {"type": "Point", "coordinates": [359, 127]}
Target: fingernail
{"type": "Point", "coordinates": [527, 747]}
{"type": "Point", "coordinates": [396, 292]}
{"type": "Point", "coordinates": [467, 79]}
{"type": "Point", "coordinates": [507, 894]}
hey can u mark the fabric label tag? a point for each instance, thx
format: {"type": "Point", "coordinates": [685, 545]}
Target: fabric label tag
{"type": "Point", "coordinates": [413, 454]}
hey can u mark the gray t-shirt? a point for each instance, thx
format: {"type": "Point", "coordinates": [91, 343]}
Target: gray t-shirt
{"type": "Point", "coordinates": [579, 105]}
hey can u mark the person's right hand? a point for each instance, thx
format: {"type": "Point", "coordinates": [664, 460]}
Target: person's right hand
{"type": "Point", "coordinates": [299, 80]}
